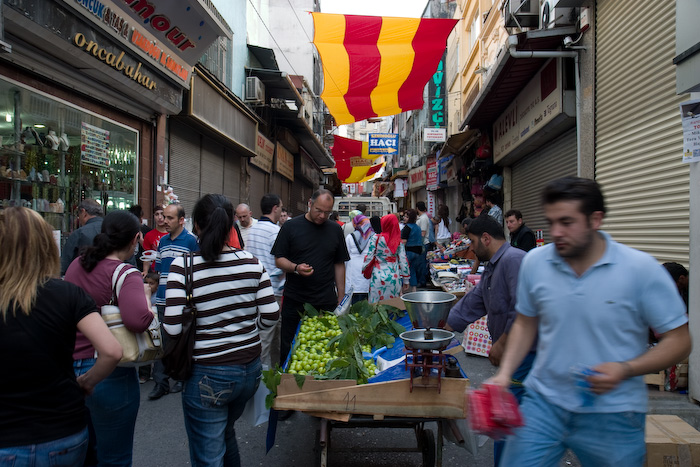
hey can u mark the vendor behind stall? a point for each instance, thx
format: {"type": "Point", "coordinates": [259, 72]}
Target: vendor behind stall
{"type": "Point", "coordinates": [493, 296]}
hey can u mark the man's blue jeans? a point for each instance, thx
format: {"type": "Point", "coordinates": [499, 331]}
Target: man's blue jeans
{"type": "Point", "coordinates": [597, 439]}
{"type": "Point", "coordinates": [113, 407]}
{"type": "Point", "coordinates": [415, 266]}
{"type": "Point", "coordinates": [212, 400]}
{"type": "Point", "coordinates": [64, 452]}
{"type": "Point", "coordinates": [518, 390]}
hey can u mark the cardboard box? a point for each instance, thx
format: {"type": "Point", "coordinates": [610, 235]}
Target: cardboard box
{"type": "Point", "coordinates": [671, 442]}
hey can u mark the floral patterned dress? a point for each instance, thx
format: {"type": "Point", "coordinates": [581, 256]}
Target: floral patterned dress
{"type": "Point", "coordinates": [390, 273]}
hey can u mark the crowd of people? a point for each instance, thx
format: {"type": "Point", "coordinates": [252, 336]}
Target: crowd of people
{"type": "Point", "coordinates": [252, 278]}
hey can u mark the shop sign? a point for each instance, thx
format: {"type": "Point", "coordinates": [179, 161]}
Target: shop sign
{"type": "Point", "coordinates": [383, 143]}
{"type": "Point", "coordinates": [536, 105]}
{"type": "Point", "coordinates": [307, 170]}
{"type": "Point", "coordinates": [284, 162]}
{"type": "Point", "coordinates": [432, 174]}
{"type": "Point", "coordinates": [690, 121]}
{"type": "Point", "coordinates": [436, 91]}
{"type": "Point", "coordinates": [264, 153]}
{"type": "Point", "coordinates": [115, 61]}
{"type": "Point", "coordinates": [116, 21]}
{"type": "Point", "coordinates": [434, 135]}
{"type": "Point", "coordinates": [416, 178]}
{"type": "Point", "coordinates": [187, 26]}
{"type": "Point", "coordinates": [94, 145]}
{"type": "Point", "coordinates": [446, 169]}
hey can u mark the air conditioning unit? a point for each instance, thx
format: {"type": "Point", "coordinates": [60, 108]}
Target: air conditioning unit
{"type": "Point", "coordinates": [521, 13]}
{"type": "Point", "coordinates": [254, 90]}
{"type": "Point", "coordinates": [552, 15]}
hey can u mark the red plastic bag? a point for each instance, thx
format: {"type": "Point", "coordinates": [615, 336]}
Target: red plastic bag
{"type": "Point", "coordinates": [493, 411]}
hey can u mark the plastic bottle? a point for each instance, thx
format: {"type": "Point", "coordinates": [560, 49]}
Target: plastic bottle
{"type": "Point", "coordinates": [580, 373]}
{"type": "Point", "coordinates": [344, 304]}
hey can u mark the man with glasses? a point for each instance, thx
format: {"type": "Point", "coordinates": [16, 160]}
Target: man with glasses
{"type": "Point", "coordinates": [312, 251]}
{"type": "Point", "coordinates": [89, 214]}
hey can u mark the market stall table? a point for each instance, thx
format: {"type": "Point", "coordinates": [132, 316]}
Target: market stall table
{"type": "Point", "coordinates": [389, 400]}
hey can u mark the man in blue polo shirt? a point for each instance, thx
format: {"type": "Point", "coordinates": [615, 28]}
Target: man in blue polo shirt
{"type": "Point", "coordinates": [590, 301]}
{"type": "Point", "coordinates": [179, 242]}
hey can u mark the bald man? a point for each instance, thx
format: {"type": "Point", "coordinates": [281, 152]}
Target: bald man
{"type": "Point", "coordinates": [245, 220]}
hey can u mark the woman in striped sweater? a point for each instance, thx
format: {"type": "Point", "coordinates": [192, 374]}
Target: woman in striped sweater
{"type": "Point", "coordinates": [234, 300]}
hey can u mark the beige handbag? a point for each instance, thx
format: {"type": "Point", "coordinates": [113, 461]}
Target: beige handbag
{"type": "Point", "coordinates": [138, 348]}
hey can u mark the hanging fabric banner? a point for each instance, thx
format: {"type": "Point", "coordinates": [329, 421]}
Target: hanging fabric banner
{"type": "Point", "coordinates": [375, 66]}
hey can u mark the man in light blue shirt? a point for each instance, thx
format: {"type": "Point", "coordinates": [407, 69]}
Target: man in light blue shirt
{"type": "Point", "coordinates": [261, 238]}
{"type": "Point", "coordinates": [590, 301]}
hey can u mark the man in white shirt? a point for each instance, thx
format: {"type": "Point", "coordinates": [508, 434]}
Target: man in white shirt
{"type": "Point", "coordinates": [261, 237]}
{"type": "Point", "coordinates": [245, 220]}
{"type": "Point", "coordinates": [425, 225]}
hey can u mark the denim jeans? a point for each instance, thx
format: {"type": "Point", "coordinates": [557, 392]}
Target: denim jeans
{"type": "Point", "coordinates": [597, 439]}
{"type": "Point", "coordinates": [415, 266]}
{"type": "Point", "coordinates": [212, 400]}
{"type": "Point", "coordinates": [159, 376]}
{"type": "Point", "coordinates": [113, 407]}
{"type": "Point", "coordinates": [518, 390]}
{"type": "Point", "coordinates": [64, 452]}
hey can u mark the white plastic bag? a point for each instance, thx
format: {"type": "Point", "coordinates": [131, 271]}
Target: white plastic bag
{"type": "Point", "coordinates": [255, 412]}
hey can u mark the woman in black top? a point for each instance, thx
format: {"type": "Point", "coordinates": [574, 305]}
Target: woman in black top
{"type": "Point", "coordinates": [42, 408]}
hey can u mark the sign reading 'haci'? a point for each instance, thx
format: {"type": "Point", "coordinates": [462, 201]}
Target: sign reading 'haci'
{"type": "Point", "coordinates": [115, 61]}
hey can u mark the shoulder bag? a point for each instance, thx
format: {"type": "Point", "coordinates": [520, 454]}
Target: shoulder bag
{"type": "Point", "coordinates": [367, 271]}
{"type": "Point", "coordinates": [138, 348]}
{"type": "Point", "coordinates": [179, 351]}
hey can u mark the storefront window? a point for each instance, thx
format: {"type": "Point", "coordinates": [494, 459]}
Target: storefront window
{"type": "Point", "coordinates": [53, 155]}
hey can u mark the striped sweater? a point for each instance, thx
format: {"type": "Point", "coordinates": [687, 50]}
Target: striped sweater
{"type": "Point", "coordinates": [234, 299]}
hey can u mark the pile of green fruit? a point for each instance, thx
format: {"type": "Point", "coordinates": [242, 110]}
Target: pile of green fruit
{"type": "Point", "coordinates": [332, 347]}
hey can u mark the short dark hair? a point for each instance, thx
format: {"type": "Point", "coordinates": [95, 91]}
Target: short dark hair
{"type": "Point", "coordinates": [158, 207]}
{"type": "Point", "coordinates": [575, 189]}
{"type": "Point", "coordinates": [420, 205]}
{"type": "Point", "coordinates": [514, 212]}
{"type": "Point", "coordinates": [136, 210]}
{"type": "Point", "coordinates": [154, 276]}
{"type": "Point", "coordinates": [486, 224]}
{"type": "Point", "coordinates": [492, 197]}
{"type": "Point", "coordinates": [320, 192]}
{"type": "Point", "coordinates": [285, 210]}
{"type": "Point", "coordinates": [362, 207]}
{"type": "Point", "coordinates": [268, 203]}
{"type": "Point", "coordinates": [180, 210]}
{"type": "Point", "coordinates": [676, 270]}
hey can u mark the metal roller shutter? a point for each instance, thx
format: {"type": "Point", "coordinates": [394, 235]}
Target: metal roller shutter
{"type": "Point", "coordinates": [638, 128]}
{"type": "Point", "coordinates": [232, 177]}
{"type": "Point", "coordinates": [257, 189]}
{"type": "Point", "coordinates": [212, 176]}
{"type": "Point", "coordinates": [530, 174]}
{"type": "Point", "coordinates": [185, 164]}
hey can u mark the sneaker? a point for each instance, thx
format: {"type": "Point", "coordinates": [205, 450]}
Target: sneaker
{"type": "Point", "coordinates": [157, 393]}
{"type": "Point", "coordinates": [177, 387]}
{"type": "Point", "coordinates": [143, 380]}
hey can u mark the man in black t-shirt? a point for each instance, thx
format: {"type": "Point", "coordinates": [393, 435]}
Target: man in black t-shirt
{"type": "Point", "coordinates": [312, 251]}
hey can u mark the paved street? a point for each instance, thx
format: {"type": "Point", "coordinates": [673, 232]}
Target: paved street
{"type": "Point", "coordinates": [161, 440]}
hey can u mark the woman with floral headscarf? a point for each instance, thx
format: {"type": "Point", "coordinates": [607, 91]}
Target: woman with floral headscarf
{"type": "Point", "coordinates": [358, 244]}
{"type": "Point", "coordinates": [390, 273]}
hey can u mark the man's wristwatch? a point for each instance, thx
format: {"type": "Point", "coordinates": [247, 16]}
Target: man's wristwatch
{"type": "Point", "coordinates": [295, 269]}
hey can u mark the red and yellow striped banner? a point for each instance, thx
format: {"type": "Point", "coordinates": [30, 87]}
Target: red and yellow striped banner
{"type": "Point", "coordinates": [376, 66]}
{"type": "Point", "coordinates": [352, 160]}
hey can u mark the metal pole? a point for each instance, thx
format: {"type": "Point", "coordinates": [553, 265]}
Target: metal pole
{"type": "Point", "coordinates": [513, 42]}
